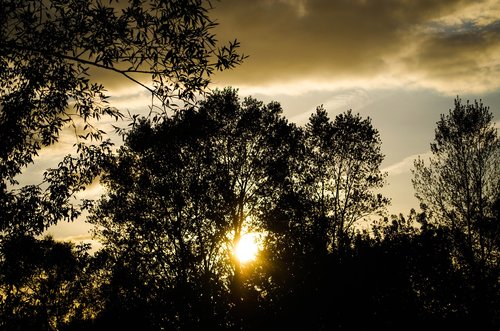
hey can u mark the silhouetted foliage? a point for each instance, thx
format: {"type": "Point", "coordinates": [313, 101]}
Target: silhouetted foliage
{"type": "Point", "coordinates": [46, 50]}
{"type": "Point", "coordinates": [54, 58]}
{"type": "Point", "coordinates": [311, 226]}
{"type": "Point", "coordinates": [184, 189]}
{"type": "Point", "coordinates": [461, 186]}
{"type": "Point", "coordinates": [181, 193]}
{"type": "Point", "coordinates": [342, 170]}
{"type": "Point", "coordinates": [43, 284]}
{"type": "Point", "coordinates": [460, 190]}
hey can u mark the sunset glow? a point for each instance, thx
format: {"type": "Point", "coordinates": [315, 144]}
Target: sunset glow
{"type": "Point", "coordinates": [247, 248]}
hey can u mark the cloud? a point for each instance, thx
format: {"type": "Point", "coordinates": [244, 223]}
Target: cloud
{"type": "Point", "coordinates": [445, 45]}
{"type": "Point", "coordinates": [76, 238]}
{"type": "Point", "coordinates": [459, 57]}
{"type": "Point", "coordinates": [337, 102]}
{"type": "Point", "coordinates": [405, 165]}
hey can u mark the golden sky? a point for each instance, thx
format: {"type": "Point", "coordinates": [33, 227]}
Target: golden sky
{"type": "Point", "coordinates": [447, 45]}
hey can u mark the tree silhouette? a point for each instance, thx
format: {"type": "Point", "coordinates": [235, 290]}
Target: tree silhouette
{"type": "Point", "coordinates": [159, 221]}
{"type": "Point", "coordinates": [253, 146]}
{"type": "Point", "coordinates": [342, 161]}
{"type": "Point", "coordinates": [180, 194]}
{"type": "Point", "coordinates": [46, 50]}
{"type": "Point", "coordinates": [461, 185]}
{"type": "Point", "coordinates": [54, 57]}
{"type": "Point", "coordinates": [329, 183]}
{"type": "Point", "coordinates": [460, 189]}
{"type": "Point", "coordinates": [43, 284]}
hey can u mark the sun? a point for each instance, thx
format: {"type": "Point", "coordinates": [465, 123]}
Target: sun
{"type": "Point", "coordinates": [247, 248]}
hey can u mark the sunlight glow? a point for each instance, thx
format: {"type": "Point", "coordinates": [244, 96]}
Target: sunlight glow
{"type": "Point", "coordinates": [247, 248]}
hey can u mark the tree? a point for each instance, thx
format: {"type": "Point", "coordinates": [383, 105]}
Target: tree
{"type": "Point", "coordinates": [253, 146]}
{"type": "Point", "coordinates": [181, 192]}
{"type": "Point", "coordinates": [53, 57]}
{"type": "Point", "coordinates": [44, 284]}
{"type": "Point", "coordinates": [460, 190]}
{"type": "Point", "coordinates": [160, 224]}
{"type": "Point", "coordinates": [46, 50]}
{"type": "Point", "coordinates": [341, 172]}
{"type": "Point", "coordinates": [460, 186]}
{"type": "Point", "coordinates": [330, 183]}
{"type": "Point", "coordinates": [404, 273]}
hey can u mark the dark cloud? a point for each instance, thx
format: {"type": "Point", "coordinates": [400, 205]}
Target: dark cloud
{"type": "Point", "coordinates": [465, 55]}
{"type": "Point", "coordinates": [352, 39]}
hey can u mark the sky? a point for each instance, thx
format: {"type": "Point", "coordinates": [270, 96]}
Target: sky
{"type": "Point", "coordinates": [400, 62]}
